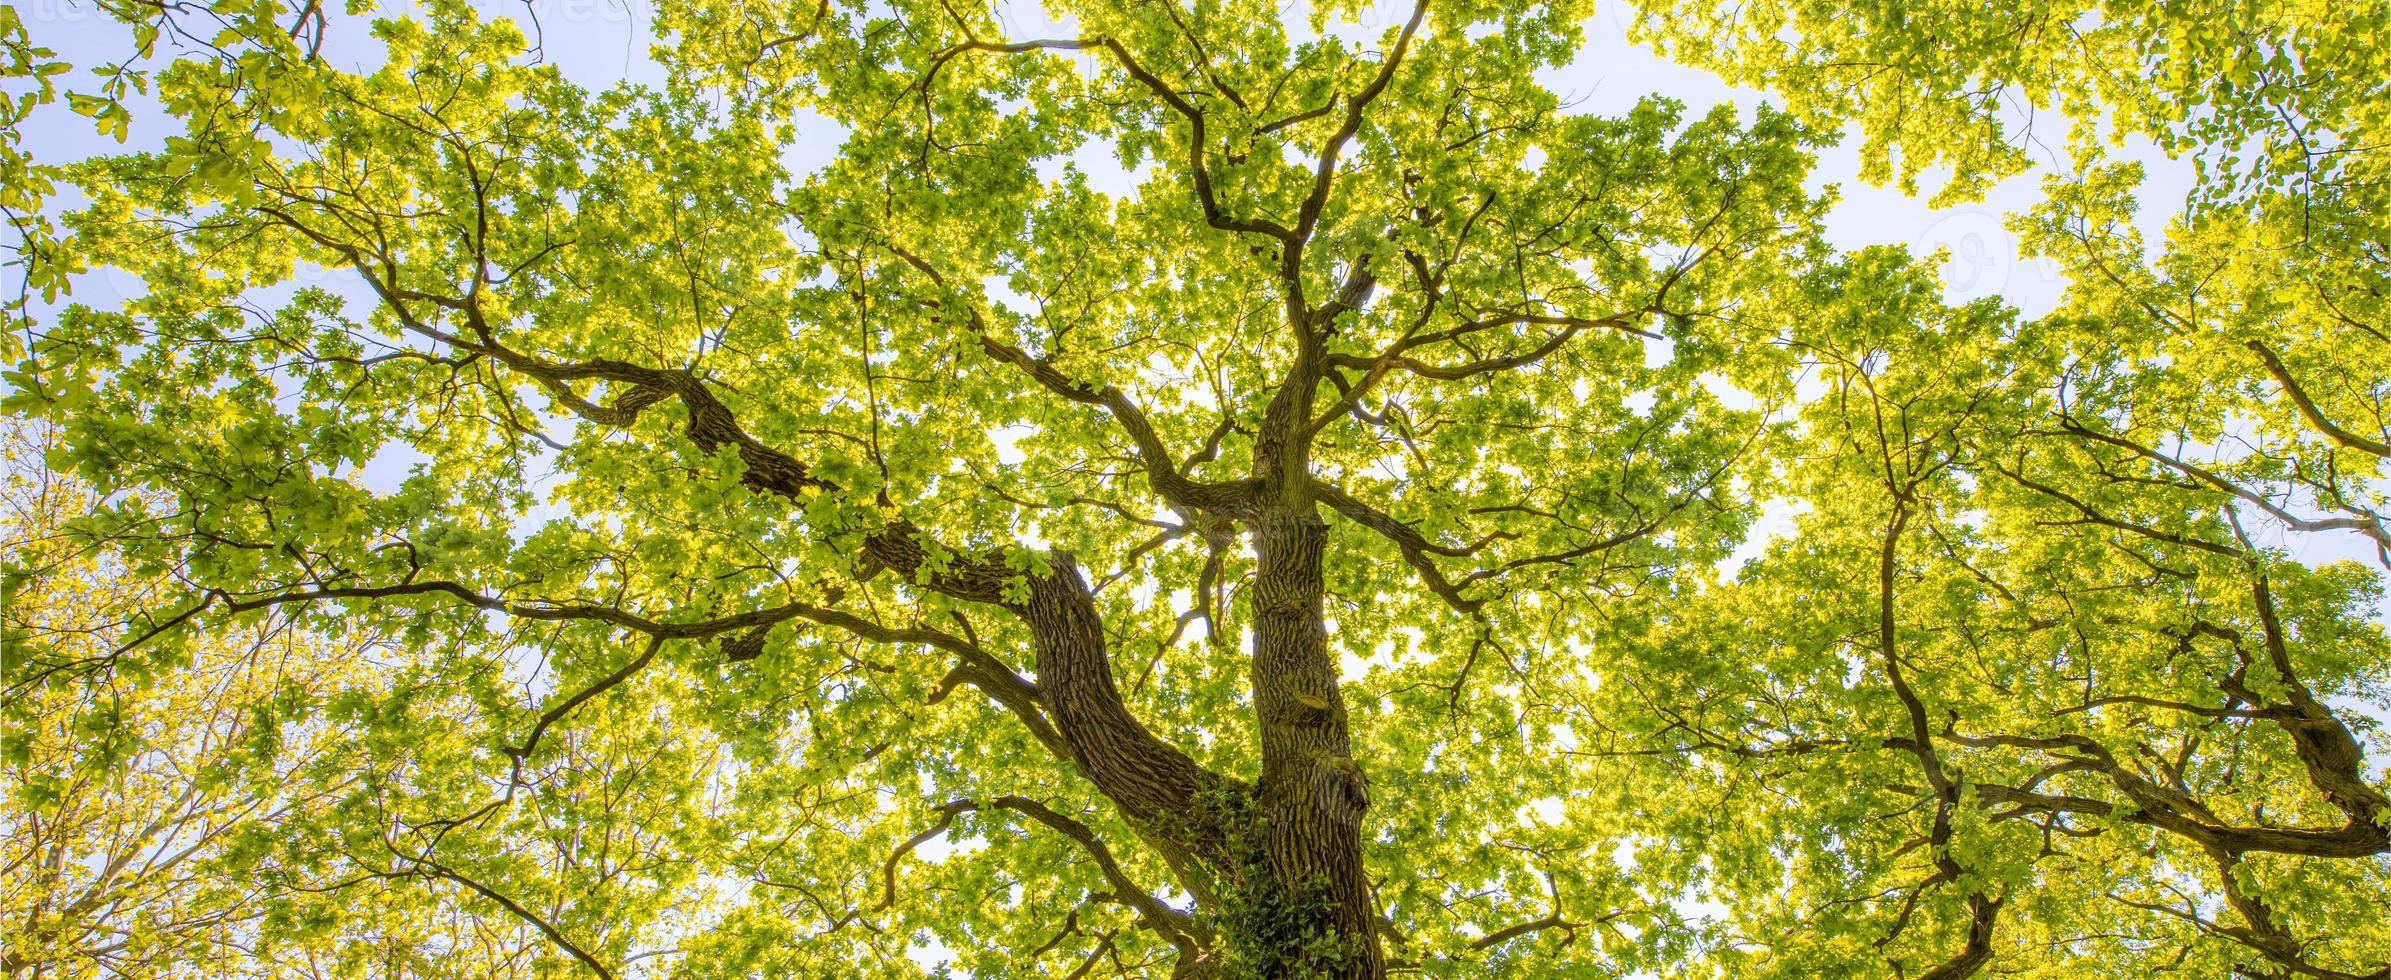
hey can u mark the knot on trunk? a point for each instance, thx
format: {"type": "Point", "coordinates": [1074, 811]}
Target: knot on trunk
{"type": "Point", "coordinates": [1339, 789]}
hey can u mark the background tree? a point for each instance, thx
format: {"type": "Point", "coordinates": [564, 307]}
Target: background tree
{"type": "Point", "coordinates": [1326, 531]}
{"type": "Point", "coordinates": [172, 821]}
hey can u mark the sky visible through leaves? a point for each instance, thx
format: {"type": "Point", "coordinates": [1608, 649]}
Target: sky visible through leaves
{"type": "Point", "coordinates": [597, 43]}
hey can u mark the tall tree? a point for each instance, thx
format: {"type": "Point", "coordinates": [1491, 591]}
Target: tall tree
{"type": "Point", "coordinates": [1195, 493]}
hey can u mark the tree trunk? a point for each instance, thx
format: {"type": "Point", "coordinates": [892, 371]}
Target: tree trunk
{"type": "Point", "coordinates": [1305, 908]}
{"type": "Point", "coordinates": [1309, 805]}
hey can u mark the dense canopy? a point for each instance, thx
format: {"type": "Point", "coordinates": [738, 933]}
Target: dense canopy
{"type": "Point", "coordinates": [1212, 490]}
